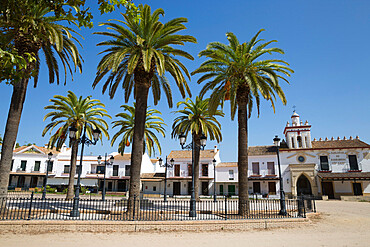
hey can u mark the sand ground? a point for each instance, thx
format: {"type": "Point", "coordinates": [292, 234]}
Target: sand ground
{"type": "Point", "coordinates": [339, 224]}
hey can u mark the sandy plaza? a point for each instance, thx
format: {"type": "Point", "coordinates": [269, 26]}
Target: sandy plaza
{"type": "Point", "coordinates": [338, 223]}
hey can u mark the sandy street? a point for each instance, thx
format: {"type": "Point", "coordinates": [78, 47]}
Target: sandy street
{"type": "Point", "coordinates": [340, 224]}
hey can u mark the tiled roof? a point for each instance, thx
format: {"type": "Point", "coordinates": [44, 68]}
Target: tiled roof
{"type": "Point", "coordinates": [340, 175]}
{"type": "Point", "coordinates": [355, 143]}
{"type": "Point", "coordinates": [152, 175]}
{"type": "Point", "coordinates": [186, 154]}
{"type": "Point", "coordinates": [42, 149]}
{"type": "Point", "coordinates": [122, 157]}
{"type": "Point", "coordinates": [227, 164]}
{"type": "Point", "coordinates": [261, 150]}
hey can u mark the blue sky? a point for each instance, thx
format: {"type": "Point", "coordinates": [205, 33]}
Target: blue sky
{"type": "Point", "coordinates": [324, 42]}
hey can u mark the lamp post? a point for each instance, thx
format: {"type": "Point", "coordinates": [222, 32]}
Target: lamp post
{"type": "Point", "coordinates": [282, 194]}
{"type": "Point", "coordinates": [170, 165]}
{"type": "Point", "coordinates": [110, 162]}
{"type": "Point", "coordinates": [83, 140]}
{"type": "Point", "coordinates": [214, 180]}
{"type": "Point", "coordinates": [192, 146]}
{"type": "Point", "coordinates": [50, 155]}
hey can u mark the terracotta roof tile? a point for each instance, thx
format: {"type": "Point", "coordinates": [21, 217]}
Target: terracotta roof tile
{"type": "Point", "coordinates": [186, 154]}
{"type": "Point", "coordinates": [42, 149]}
{"type": "Point", "coordinates": [122, 157]}
{"type": "Point", "coordinates": [355, 143]}
{"type": "Point", "coordinates": [227, 164]}
{"type": "Point", "coordinates": [152, 175]}
{"type": "Point", "coordinates": [261, 150]}
{"type": "Point", "coordinates": [340, 175]}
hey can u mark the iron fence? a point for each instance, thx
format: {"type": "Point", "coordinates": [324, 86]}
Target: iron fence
{"type": "Point", "coordinates": [35, 208]}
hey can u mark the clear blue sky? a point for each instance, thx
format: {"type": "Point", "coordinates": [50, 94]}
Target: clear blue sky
{"type": "Point", "coordinates": [324, 41]}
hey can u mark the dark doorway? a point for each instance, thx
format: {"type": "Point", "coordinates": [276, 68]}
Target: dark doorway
{"type": "Point", "coordinates": [256, 187]}
{"type": "Point", "coordinates": [33, 182]}
{"type": "Point", "coordinates": [231, 190]}
{"type": "Point", "coordinates": [121, 186]}
{"type": "Point", "coordinates": [101, 185]}
{"type": "Point", "coordinates": [115, 170]}
{"type": "Point", "coordinates": [272, 188]}
{"type": "Point", "coordinates": [353, 165]}
{"type": "Point", "coordinates": [110, 186]}
{"type": "Point", "coordinates": [177, 170]}
{"type": "Point", "coordinates": [303, 186]}
{"type": "Point", "coordinates": [205, 188]}
{"type": "Point", "coordinates": [327, 189]}
{"type": "Point", "coordinates": [357, 189]}
{"type": "Point", "coordinates": [21, 180]}
{"type": "Point", "coordinates": [176, 188]}
{"type": "Point", "coordinates": [189, 188]}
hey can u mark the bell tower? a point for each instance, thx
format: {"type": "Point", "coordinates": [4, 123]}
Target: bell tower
{"type": "Point", "coordinates": [297, 134]}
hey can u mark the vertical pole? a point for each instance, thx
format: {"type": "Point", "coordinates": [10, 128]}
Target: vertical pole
{"type": "Point", "coordinates": [76, 199]}
{"type": "Point", "coordinates": [282, 194]}
{"type": "Point", "coordinates": [225, 207]}
{"type": "Point", "coordinates": [105, 171]}
{"type": "Point", "coordinates": [46, 180]}
{"type": "Point", "coordinates": [165, 181]}
{"type": "Point", "coordinates": [30, 209]}
{"type": "Point", "coordinates": [133, 214]}
{"type": "Point", "coordinates": [214, 182]}
{"type": "Point", "coordinates": [193, 212]}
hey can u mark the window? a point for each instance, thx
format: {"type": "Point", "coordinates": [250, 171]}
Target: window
{"type": "Point", "coordinates": [299, 140]}
{"type": "Point", "coordinates": [293, 143]}
{"type": "Point", "coordinates": [11, 166]}
{"type": "Point", "coordinates": [205, 170]}
{"type": "Point", "coordinates": [231, 174]}
{"type": "Point", "coordinates": [190, 171]}
{"type": "Point", "coordinates": [50, 166]}
{"type": "Point", "coordinates": [324, 163]}
{"type": "Point", "coordinates": [177, 170]}
{"type": "Point", "coordinates": [353, 165]}
{"type": "Point", "coordinates": [36, 168]}
{"type": "Point", "coordinates": [255, 168]}
{"type": "Point", "coordinates": [23, 165]}
{"type": "Point", "coordinates": [66, 168]}
{"type": "Point", "coordinates": [115, 170]}
{"type": "Point", "coordinates": [100, 169]}
{"type": "Point", "coordinates": [270, 168]}
{"type": "Point", "coordinates": [127, 170]}
{"type": "Point", "coordinates": [154, 188]}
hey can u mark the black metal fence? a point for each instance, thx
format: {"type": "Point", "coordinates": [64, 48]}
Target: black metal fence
{"type": "Point", "coordinates": [28, 208]}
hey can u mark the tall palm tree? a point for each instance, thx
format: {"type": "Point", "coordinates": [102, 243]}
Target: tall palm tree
{"type": "Point", "coordinates": [237, 73]}
{"type": "Point", "coordinates": [127, 123]}
{"type": "Point", "coordinates": [196, 119]}
{"type": "Point", "coordinates": [138, 55]}
{"type": "Point", "coordinates": [32, 27]}
{"type": "Point", "coordinates": [74, 111]}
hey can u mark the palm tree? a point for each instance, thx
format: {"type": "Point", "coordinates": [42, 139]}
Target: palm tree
{"type": "Point", "coordinates": [32, 27]}
{"type": "Point", "coordinates": [196, 119]}
{"type": "Point", "coordinates": [236, 73]}
{"type": "Point", "coordinates": [74, 111]}
{"type": "Point", "coordinates": [138, 55]}
{"type": "Point", "coordinates": [127, 123]}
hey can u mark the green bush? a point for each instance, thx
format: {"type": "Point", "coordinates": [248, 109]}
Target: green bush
{"type": "Point", "coordinates": [65, 191]}
{"type": "Point", "coordinates": [83, 190]}
{"type": "Point", "coordinates": [50, 189]}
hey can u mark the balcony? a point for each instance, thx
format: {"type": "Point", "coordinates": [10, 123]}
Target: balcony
{"type": "Point", "coordinates": [352, 167]}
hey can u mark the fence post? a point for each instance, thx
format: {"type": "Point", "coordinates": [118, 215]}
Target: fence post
{"type": "Point", "coordinates": [133, 213]}
{"type": "Point", "coordinates": [30, 209]}
{"type": "Point", "coordinates": [225, 207]}
{"type": "Point", "coordinates": [301, 207]}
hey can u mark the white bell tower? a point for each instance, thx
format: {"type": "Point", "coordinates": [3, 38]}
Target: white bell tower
{"type": "Point", "coordinates": [297, 134]}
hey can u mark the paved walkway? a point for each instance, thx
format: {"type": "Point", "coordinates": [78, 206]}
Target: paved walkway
{"type": "Point", "coordinates": [340, 224]}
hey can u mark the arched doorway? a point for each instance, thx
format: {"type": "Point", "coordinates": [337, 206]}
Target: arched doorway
{"type": "Point", "coordinates": [303, 186]}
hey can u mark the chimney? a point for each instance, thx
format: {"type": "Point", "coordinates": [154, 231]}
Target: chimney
{"type": "Point", "coordinates": [357, 138]}
{"type": "Point", "coordinates": [332, 138]}
{"type": "Point", "coordinates": [215, 149]}
{"type": "Point", "coordinates": [314, 139]}
{"type": "Point", "coordinates": [326, 139]}
{"type": "Point", "coordinates": [351, 138]}
{"type": "Point", "coordinates": [320, 139]}
{"type": "Point", "coordinates": [344, 138]}
{"type": "Point", "coordinates": [338, 138]}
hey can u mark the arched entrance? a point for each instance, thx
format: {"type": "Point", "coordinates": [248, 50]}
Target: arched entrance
{"type": "Point", "coordinates": [303, 186]}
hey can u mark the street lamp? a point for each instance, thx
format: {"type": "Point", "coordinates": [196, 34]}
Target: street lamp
{"type": "Point", "coordinates": [50, 155]}
{"type": "Point", "coordinates": [214, 180]}
{"type": "Point", "coordinates": [110, 162]}
{"type": "Point", "coordinates": [192, 146]}
{"type": "Point", "coordinates": [83, 140]}
{"type": "Point", "coordinates": [170, 165]}
{"type": "Point", "coordinates": [282, 194]}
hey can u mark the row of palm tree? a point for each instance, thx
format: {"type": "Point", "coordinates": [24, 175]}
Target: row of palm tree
{"type": "Point", "coordinates": [137, 57]}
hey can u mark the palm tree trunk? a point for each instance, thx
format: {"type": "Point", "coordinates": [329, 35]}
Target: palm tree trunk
{"type": "Point", "coordinates": [11, 132]}
{"type": "Point", "coordinates": [72, 171]}
{"type": "Point", "coordinates": [243, 152]}
{"type": "Point", "coordinates": [141, 92]}
{"type": "Point", "coordinates": [196, 140]}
